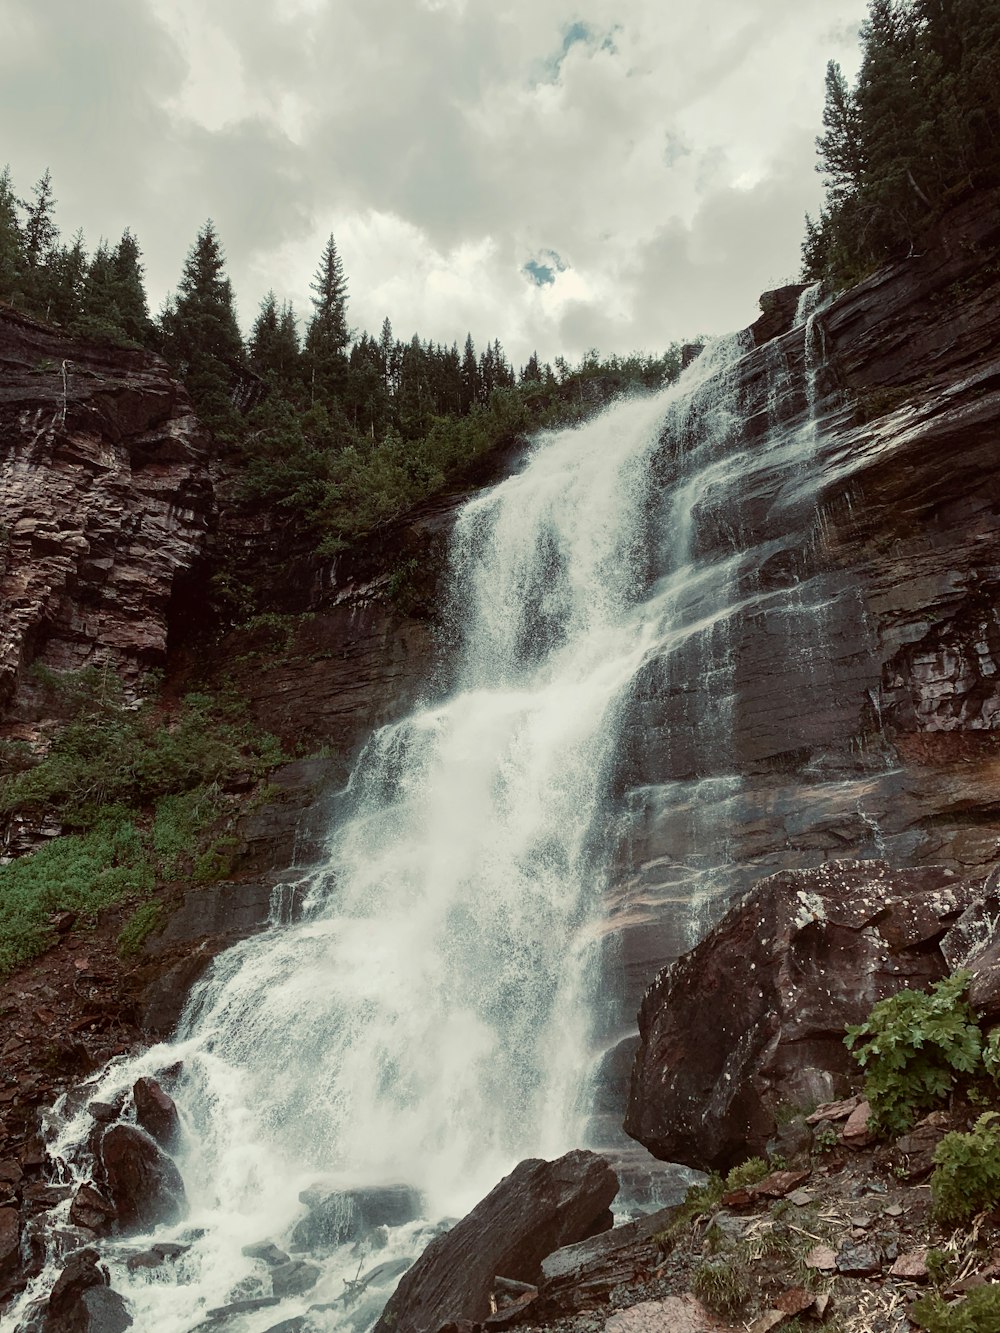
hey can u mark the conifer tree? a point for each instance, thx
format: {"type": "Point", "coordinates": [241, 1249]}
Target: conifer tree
{"type": "Point", "coordinates": [470, 376]}
{"type": "Point", "coordinates": [201, 335]}
{"type": "Point", "coordinates": [328, 336]}
{"type": "Point", "coordinates": [274, 344]}
{"type": "Point", "coordinates": [40, 238]}
{"type": "Point", "coordinates": [130, 290]}
{"type": "Point", "coordinates": [11, 242]}
{"type": "Point", "coordinates": [66, 279]}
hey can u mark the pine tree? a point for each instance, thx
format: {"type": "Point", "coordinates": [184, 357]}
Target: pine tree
{"type": "Point", "coordinates": [328, 336]}
{"type": "Point", "coordinates": [470, 376]}
{"type": "Point", "coordinates": [12, 260]}
{"type": "Point", "coordinates": [201, 335]}
{"type": "Point", "coordinates": [839, 148]}
{"type": "Point", "coordinates": [130, 290]}
{"type": "Point", "coordinates": [67, 277]}
{"type": "Point", "coordinates": [41, 236]}
{"type": "Point", "coordinates": [274, 344]}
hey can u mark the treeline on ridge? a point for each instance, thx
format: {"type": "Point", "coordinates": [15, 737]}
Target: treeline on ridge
{"type": "Point", "coordinates": [340, 432]}
{"type": "Point", "coordinates": [919, 130]}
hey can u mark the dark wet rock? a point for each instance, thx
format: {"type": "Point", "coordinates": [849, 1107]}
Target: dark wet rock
{"type": "Point", "coordinates": [169, 1250]}
{"type": "Point", "coordinates": [11, 1172]}
{"type": "Point", "coordinates": [859, 1260]}
{"type": "Point", "coordinates": [81, 1300]}
{"type": "Point", "coordinates": [143, 1183]}
{"type": "Point", "coordinates": [295, 1325]}
{"type": "Point", "coordinates": [234, 1308]}
{"type": "Point", "coordinates": [294, 1278]}
{"type": "Point", "coordinates": [267, 1251]}
{"type": "Point", "coordinates": [344, 1215]}
{"type": "Point", "coordinates": [866, 727]}
{"type": "Point", "coordinates": [753, 1018]}
{"type": "Point", "coordinates": [91, 1209]}
{"type": "Point", "coordinates": [105, 1113]}
{"type": "Point", "coordinates": [10, 1239]}
{"type": "Point", "coordinates": [778, 309]}
{"type": "Point", "coordinates": [156, 1112]}
{"type": "Point", "coordinates": [387, 1272]}
{"type": "Point", "coordinates": [107, 1311]}
{"type": "Point", "coordinates": [144, 1259]}
{"type": "Point", "coordinates": [533, 1211]}
{"type": "Point", "coordinates": [575, 1275]}
{"type": "Point", "coordinates": [40, 1198]}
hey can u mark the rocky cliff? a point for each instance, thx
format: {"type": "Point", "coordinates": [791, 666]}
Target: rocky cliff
{"type": "Point", "coordinates": [869, 725]}
{"type": "Point", "coordinates": [105, 502]}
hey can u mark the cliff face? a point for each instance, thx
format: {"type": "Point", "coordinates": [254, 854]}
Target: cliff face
{"type": "Point", "coordinates": [104, 500]}
{"type": "Point", "coordinates": [867, 722]}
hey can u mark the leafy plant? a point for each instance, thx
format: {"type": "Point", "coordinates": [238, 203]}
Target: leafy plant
{"type": "Point", "coordinates": [914, 1047]}
{"type": "Point", "coordinates": [979, 1312]}
{"type": "Point", "coordinates": [966, 1175]}
{"type": "Point", "coordinates": [146, 918]}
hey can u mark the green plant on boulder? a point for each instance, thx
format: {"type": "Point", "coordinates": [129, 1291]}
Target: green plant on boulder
{"type": "Point", "coordinates": [915, 1046]}
{"type": "Point", "coordinates": [966, 1176]}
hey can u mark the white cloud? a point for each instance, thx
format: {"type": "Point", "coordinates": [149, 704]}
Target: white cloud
{"type": "Point", "coordinates": [665, 154]}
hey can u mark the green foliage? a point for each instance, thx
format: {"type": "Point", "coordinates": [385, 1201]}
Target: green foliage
{"type": "Point", "coordinates": [146, 918]}
{"type": "Point", "coordinates": [201, 336]}
{"type": "Point", "coordinates": [143, 795]}
{"type": "Point", "coordinates": [722, 1285]}
{"type": "Point", "coordinates": [748, 1173]}
{"type": "Point", "coordinates": [113, 754]}
{"type": "Point", "coordinates": [978, 1312]}
{"type": "Point", "coordinates": [966, 1176]}
{"type": "Point", "coordinates": [914, 1047]}
{"type": "Point", "coordinates": [699, 1201]}
{"type": "Point", "coordinates": [81, 873]}
{"type": "Point", "coordinates": [920, 128]}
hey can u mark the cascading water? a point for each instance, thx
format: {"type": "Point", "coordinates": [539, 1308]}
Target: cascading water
{"type": "Point", "coordinates": [428, 1019]}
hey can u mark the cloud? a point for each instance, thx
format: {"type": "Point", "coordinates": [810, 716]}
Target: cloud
{"type": "Point", "coordinates": [452, 147]}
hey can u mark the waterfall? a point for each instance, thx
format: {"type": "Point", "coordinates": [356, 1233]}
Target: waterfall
{"type": "Point", "coordinates": [429, 1018]}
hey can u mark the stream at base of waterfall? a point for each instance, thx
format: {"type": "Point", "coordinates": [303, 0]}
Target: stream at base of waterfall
{"type": "Point", "coordinates": [427, 1020]}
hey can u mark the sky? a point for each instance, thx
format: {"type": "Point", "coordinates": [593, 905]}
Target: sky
{"type": "Point", "coordinates": [559, 174]}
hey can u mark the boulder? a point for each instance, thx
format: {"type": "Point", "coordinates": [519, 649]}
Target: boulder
{"type": "Point", "coordinates": [754, 1016]}
{"type": "Point", "coordinates": [143, 1183]}
{"type": "Point", "coordinates": [343, 1215]}
{"type": "Point", "coordinates": [82, 1301]}
{"type": "Point", "coordinates": [155, 1112]}
{"type": "Point", "coordinates": [539, 1207]}
{"type": "Point", "coordinates": [91, 1209]}
{"type": "Point", "coordinates": [294, 1278]}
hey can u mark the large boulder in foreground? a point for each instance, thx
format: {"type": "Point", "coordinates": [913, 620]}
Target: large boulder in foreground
{"type": "Point", "coordinates": [753, 1018]}
{"type": "Point", "coordinates": [539, 1207]}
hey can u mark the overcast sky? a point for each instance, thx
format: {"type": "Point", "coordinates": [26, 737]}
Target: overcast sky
{"type": "Point", "coordinates": [561, 174]}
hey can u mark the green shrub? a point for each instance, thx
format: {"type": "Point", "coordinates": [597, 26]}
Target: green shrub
{"type": "Point", "coordinates": [144, 801]}
{"type": "Point", "coordinates": [110, 753]}
{"type": "Point", "coordinates": [748, 1173]}
{"type": "Point", "coordinates": [914, 1047]}
{"type": "Point", "coordinates": [81, 873]}
{"type": "Point", "coordinates": [966, 1175]}
{"type": "Point", "coordinates": [146, 918]}
{"type": "Point", "coordinates": [979, 1312]}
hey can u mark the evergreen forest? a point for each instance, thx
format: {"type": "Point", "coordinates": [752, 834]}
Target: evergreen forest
{"type": "Point", "coordinates": [919, 131]}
